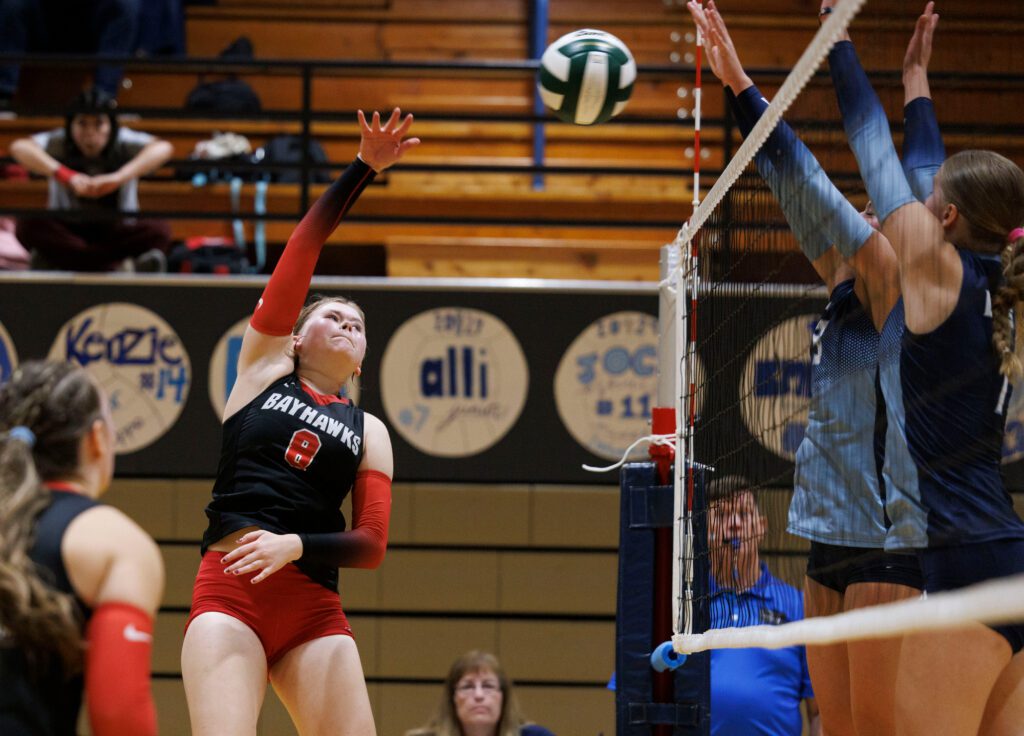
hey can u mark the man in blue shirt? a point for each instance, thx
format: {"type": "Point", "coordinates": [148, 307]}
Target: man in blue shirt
{"type": "Point", "coordinates": [753, 691]}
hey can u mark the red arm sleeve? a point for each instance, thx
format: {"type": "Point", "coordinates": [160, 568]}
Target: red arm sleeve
{"type": "Point", "coordinates": [364, 545]}
{"type": "Point", "coordinates": [285, 293]}
{"type": "Point", "coordinates": [117, 671]}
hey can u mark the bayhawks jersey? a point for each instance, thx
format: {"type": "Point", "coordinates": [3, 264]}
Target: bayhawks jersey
{"type": "Point", "coordinates": [835, 497]}
{"type": "Point", "coordinates": [43, 701]}
{"type": "Point", "coordinates": [907, 528]}
{"type": "Point", "coordinates": [955, 401]}
{"type": "Point", "coordinates": [288, 459]}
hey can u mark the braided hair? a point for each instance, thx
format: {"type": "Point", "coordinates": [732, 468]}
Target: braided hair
{"type": "Point", "coordinates": [1008, 296]}
{"type": "Point", "coordinates": [988, 190]}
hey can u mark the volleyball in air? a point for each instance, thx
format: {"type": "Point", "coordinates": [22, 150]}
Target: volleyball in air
{"type": "Point", "coordinates": [586, 76]}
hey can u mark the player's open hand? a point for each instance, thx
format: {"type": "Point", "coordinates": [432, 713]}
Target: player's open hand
{"type": "Point", "coordinates": [383, 145]}
{"type": "Point", "coordinates": [262, 552]}
{"type": "Point", "coordinates": [722, 56]}
{"type": "Point", "coordinates": [919, 50]}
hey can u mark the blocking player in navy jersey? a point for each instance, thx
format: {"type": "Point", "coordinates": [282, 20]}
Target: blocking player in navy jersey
{"type": "Point", "coordinates": [961, 263]}
{"type": "Point", "coordinates": [840, 472]}
{"type": "Point", "coordinates": [265, 603]}
{"type": "Point", "coordinates": [80, 582]}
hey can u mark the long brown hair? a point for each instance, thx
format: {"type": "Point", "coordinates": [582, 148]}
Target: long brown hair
{"type": "Point", "coordinates": [57, 403]}
{"type": "Point", "coordinates": [988, 190]}
{"type": "Point", "coordinates": [446, 722]}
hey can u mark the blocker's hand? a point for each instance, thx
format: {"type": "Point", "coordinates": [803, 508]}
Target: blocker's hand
{"type": "Point", "coordinates": [262, 551]}
{"type": "Point", "coordinates": [722, 56]}
{"type": "Point", "coordinates": [382, 145]}
{"type": "Point", "coordinates": [919, 50]}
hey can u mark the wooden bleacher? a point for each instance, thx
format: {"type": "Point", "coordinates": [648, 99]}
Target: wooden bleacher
{"type": "Point", "coordinates": [768, 32]}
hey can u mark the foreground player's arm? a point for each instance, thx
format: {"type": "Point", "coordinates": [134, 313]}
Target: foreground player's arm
{"type": "Point", "coordinates": [930, 269]}
{"type": "Point", "coordinates": [265, 353]}
{"type": "Point", "coordinates": [365, 544]}
{"type": "Point", "coordinates": [116, 568]}
{"type": "Point", "coordinates": [923, 149]}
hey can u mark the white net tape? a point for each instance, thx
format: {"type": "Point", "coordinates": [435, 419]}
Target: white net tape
{"type": "Point", "coordinates": [992, 602]}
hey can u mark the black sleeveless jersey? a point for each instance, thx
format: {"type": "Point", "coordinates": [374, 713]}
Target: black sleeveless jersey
{"type": "Point", "coordinates": [40, 700]}
{"type": "Point", "coordinates": [288, 459]}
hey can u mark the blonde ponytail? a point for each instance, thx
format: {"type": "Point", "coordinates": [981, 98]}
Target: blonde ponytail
{"type": "Point", "coordinates": [1007, 298]}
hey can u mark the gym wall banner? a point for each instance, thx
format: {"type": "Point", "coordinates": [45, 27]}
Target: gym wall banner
{"type": "Point", "coordinates": [477, 381]}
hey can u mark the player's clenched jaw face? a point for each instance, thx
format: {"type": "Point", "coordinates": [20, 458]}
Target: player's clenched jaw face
{"type": "Point", "coordinates": [333, 339]}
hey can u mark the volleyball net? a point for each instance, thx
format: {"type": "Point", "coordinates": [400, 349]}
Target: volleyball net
{"type": "Point", "coordinates": [744, 310]}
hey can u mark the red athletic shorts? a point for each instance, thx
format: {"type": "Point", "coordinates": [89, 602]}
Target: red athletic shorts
{"type": "Point", "coordinates": [285, 610]}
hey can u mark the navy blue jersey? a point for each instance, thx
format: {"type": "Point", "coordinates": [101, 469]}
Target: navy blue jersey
{"type": "Point", "coordinates": [288, 460]}
{"type": "Point", "coordinates": [836, 498]}
{"type": "Point", "coordinates": [908, 524]}
{"type": "Point", "coordinates": [42, 700]}
{"type": "Point", "coordinates": [955, 401]}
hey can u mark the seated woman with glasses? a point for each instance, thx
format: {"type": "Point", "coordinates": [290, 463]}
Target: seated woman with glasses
{"type": "Point", "coordinates": [478, 701]}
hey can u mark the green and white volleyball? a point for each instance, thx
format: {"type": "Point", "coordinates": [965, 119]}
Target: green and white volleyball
{"type": "Point", "coordinates": [586, 77]}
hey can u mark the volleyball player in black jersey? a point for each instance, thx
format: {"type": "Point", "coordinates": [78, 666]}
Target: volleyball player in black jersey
{"type": "Point", "coordinates": [79, 581]}
{"type": "Point", "coordinates": [265, 603]}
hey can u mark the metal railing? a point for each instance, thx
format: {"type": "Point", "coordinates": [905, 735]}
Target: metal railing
{"type": "Point", "coordinates": [306, 114]}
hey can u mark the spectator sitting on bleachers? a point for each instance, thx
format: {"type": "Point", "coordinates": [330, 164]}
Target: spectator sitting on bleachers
{"type": "Point", "coordinates": [478, 700]}
{"type": "Point", "coordinates": [104, 27]}
{"type": "Point", "coordinates": [93, 166]}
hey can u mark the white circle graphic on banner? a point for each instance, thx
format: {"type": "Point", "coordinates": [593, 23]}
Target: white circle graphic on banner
{"type": "Point", "coordinates": [607, 383]}
{"type": "Point", "coordinates": [8, 355]}
{"type": "Point", "coordinates": [138, 360]}
{"type": "Point", "coordinates": [453, 381]}
{"type": "Point", "coordinates": [775, 388]}
{"type": "Point", "coordinates": [1013, 438]}
{"type": "Point", "coordinates": [224, 369]}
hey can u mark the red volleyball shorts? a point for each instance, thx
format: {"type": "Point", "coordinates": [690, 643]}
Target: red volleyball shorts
{"type": "Point", "coordinates": [284, 610]}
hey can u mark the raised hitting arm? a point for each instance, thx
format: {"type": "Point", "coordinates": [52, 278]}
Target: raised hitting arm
{"type": "Point", "coordinates": [265, 353]}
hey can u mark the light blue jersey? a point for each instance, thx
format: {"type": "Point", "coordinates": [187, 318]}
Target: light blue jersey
{"type": "Point", "coordinates": [836, 498]}
{"type": "Point", "coordinates": [906, 514]}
